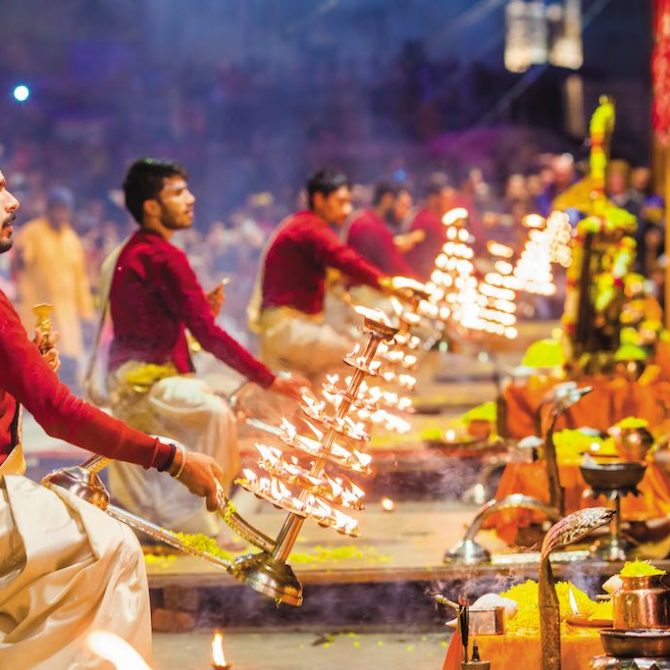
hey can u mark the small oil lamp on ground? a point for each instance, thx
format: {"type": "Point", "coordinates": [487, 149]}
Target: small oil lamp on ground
{"type": "Point", "coordinates": [218, 657]}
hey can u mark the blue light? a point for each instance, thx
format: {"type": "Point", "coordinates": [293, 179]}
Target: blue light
{"type": "Point", "coordinates": [21, 93]}
{"type": "Point", "coordinates": [400, 175]}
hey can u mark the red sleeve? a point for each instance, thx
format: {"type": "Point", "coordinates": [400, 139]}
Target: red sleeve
{"type": "Point", "coordinates": [25, 375]}
{"type": "Point", "coordinates": [331, 252]}
{"type": "Point", "coordinates": [186, 299]}
{"type": "Point", "coordinates": [378, 248]}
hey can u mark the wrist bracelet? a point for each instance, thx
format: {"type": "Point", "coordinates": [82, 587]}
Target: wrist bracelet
{"type": "Point", "coordinates": [181, 449]}
{"type": "Point", "coordinates": [170, 458]}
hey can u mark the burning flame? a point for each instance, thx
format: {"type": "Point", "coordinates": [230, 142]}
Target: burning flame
{"type": "Point", "coordinates": [373, 314]}
{"type": "Point", "coordinates": [454, 215]}
{"type": "Point", "coordinates": [387, 504]}
{"type": "Point", "coordinates": [117, 651]}
{"type": "Point", "coordinates": [533, 221]}
{"type": "Point", "coordinates": [218, 657]}
{"type": "Point", "coordinates": [573, 602]}
{"type": "Point", "coordinates": [500, 250]}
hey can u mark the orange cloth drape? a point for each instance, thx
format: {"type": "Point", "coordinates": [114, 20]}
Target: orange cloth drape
{"type": "Point", "coordinates": [509, 652]}
{"type": "Point", "coordinates": [531, 480]}
{"type": "Point", "coordinates": [611, 400]}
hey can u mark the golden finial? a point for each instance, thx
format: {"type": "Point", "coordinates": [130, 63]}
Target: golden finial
{"type": "Point", "coordinates": [43, 322]}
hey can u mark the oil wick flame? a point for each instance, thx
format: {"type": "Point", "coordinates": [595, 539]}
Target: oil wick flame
{"type": "Point", "coordinates": [218, 657]}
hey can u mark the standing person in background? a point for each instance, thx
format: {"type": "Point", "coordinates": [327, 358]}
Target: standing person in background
{"type": "Point", "coordinates": [618, 187]}
{"type": "Point", "coordinates": [50, 266]}
{"type": "Point", "coordinates": [440, 197]}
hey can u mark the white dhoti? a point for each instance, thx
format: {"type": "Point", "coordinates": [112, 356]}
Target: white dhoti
{"type": "Point", "coordinates": [183, 408]}
{"type": "Point", "coordinates": [66, 569]}
{"type": "Point", "coordinates": [300, 343]}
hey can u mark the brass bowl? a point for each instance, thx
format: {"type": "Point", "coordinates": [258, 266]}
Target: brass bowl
{"type": "Point", "coordinates": [613, 476]}
{"type": "Point", "coordinates": [633, 643]}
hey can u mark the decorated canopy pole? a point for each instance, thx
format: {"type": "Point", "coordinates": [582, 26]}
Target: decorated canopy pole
{"type": "Point", "coordinates": [660, 70]}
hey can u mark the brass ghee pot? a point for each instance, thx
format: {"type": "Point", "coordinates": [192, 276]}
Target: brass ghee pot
{"type": "Point", "coordinates": [642, 602]}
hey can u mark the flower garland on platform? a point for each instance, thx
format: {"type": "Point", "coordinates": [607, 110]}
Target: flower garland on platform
{"type": "Point", "coordinates": [614, 321]}
{"type": "Point", "coordinates": [616, 247]}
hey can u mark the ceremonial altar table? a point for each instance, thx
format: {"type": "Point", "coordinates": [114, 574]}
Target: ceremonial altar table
{"type": "Point", "coordinates": [612, 399]}
{"type": "Point", "coordinates": [531, 479]}
{"type": "Point", "coordinates": [513, 651]}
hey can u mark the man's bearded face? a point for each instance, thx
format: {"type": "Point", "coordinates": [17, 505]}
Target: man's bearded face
{"type": "Point", "coordinates": [6, 234]}
{"type": "Point", "coordinates": [177, 204]}
{"type": "Point", "coordinates": [8, 206]}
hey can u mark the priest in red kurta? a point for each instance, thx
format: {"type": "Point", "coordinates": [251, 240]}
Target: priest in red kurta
{"type": "Point", "coordinates": [374, 233]}
{"type": "Point", "coordinates": [440, 197]}
{"type": "Point", "coordinates": [79, 569]}
{"type": "Point", "coordinates": [154, 297]}
{"type": "Point", "coordinates": [290, 320]}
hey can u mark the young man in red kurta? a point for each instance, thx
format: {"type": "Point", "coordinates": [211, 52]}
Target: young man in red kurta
{"type": "Point", "coordinates": [440, 197]}
{"type": "Point", "coordinates": [293, 280]}
{"type": "Point", "coordinates": [154, 297]}
{"type": "Point", "coordinates": [374, 233]}
{"type": "Point", "coordinates": [80, 570]}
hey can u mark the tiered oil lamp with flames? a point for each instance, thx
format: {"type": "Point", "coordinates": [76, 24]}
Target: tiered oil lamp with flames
{"type": "Point", "coordinates": [292, 473]}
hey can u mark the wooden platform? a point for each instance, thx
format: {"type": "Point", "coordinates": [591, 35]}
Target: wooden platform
{"type": "Point", "coordinates": [388, 575]}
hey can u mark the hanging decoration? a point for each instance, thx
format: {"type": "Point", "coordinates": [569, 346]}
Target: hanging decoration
{"type": "Point", "coordinates": [526, 35]}
{"type": "Point", "coordinates": [567, 48]}
{"type": "Point", "coordinates": [660, 69]}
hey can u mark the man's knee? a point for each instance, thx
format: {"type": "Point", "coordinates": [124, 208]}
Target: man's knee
{"type": "Point", "coordinates": [123, 548]}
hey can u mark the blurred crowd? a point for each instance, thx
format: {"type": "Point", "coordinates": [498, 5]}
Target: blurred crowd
{"type": "Point", "coordinates": [230, 245]}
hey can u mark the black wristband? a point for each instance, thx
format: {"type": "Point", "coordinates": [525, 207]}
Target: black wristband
{"type": "Point", "coordinates": [169, 460]}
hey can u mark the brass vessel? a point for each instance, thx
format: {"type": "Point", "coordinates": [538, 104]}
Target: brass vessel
{"type": "Point", "coordinates": [642, 602]}
{"type": "Point", "coordinates": [632, 444]}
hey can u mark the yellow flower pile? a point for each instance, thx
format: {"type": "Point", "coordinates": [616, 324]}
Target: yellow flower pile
{"type": "Point", "coordinates": [336, 554]}
{"type": "Point", "coordinates": [145, 376]}
{"type": "Point", "coordinates": [526, 596]}
{"type": "Point", "coordinates": [640, 569]}
{"type": "Point", "coordinates": [603, 611]}
{"type": "Point", "coordinates": [571, 445]}
{"type": "Point", "coordinates": [201, 542]}
{"type": "Point", "coordinates": [546, 353]}
{"type": "Point", "coordinates": [632, 422]}
{"type": "Point", "coordinates": [485, 412]}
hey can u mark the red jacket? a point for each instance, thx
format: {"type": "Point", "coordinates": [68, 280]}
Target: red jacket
{"type": "Point", "coordinates": [154, 297]}
{"type": "Point", "coordinates": [422, 256]}
{"type": "Point", "coordinates": [295, 264]}
{"type": "Point", "coordinates": [370, 236]}
{"type": "Point", "coordinates": [27, 379]}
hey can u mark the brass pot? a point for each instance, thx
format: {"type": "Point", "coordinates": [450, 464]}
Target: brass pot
{"type": "Point", "coordinates": [630, 370]}
{"type": "Point", "coordinates": [480, 429]}
{"type": "Point", "coordinates": [642, 602]}
{"type": "Point", "coordinates": [632, 444]}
